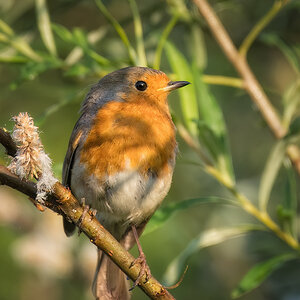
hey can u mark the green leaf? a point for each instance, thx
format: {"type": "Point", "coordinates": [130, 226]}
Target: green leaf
{"type": "Point", "coordinates": [198, 46]}
{"type": "Point", "coordinates": [163, 214]}
{"type": "Point", "coordinates": [138, 29]}
{"type": "Point", "coordinates": [77, 69]}
{"type": "Point", "coordinates": [44, 26]}
{"type": "Point", "coordinates": [119, 29]}
{"type": "Point", "coordinates": [270, 172]}
{"type": "Point", "coordinates": [24, 48]}
{"type": "Point", "coordinates": [259, 273]}
{"type": "Point", "coordinates": [5, 28]}
{"type": "Point", "coordinates": [32, 69]}
{"type": "Point", "coordinates": [188, 99]}
{"type": "Point", "coordinates": [64, 33]}
{"type": "Point", "coordinates": [294, 130]}
{"type": "Point", "coordinates": [287, 210]}
{"type": "Point", "coordinates": [273, 39]}
{"type": "Point", "coordinates": [15, 59]}
{"type": "Point", "coordinates": [291, 101]}
{"type": "Point", "coordinates": [205, 239]}
{"type": "Point", "coordinates": [197, 100]}
{"type": "Point", "coordinates": [163, 38]}
{"type": "Point", "coordinates": [79, 38]}
{"type": "Point", "coordinates": [212, 128]}
{"type": "Point", "coordinates": [56, 106]}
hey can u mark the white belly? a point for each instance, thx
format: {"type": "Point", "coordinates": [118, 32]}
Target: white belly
{"type": "Point", "coordinates": [121, 199]}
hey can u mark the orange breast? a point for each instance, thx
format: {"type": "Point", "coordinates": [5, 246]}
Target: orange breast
{"type": "Point", "coordinates": [137, 136]}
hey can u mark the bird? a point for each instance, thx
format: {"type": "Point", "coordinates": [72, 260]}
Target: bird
{"type": "Point", "coordinates": [120, 161]}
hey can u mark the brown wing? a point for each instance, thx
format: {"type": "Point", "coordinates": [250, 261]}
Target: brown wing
{"type": "Point", "coordinates": [69, 227]}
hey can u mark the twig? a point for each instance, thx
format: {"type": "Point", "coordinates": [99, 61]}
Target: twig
{"type": "Point", "coordinates": [245, 203]}
{"type": "Point", "coordinates": [64, 203]}
{"type": "Point", "coordinates": [116, 25]}
{"type": "Point", "coordinates": [224, 80]}
{"type": "Point", "coordinates": [261, 24]}
{"type": "Point", "coordinates": [252, 86]}
{"type": "Point", "coordinates": [162, 40]}
{"type": "Point", "coordinates": [138, 28]}
{"type": "Point", "coordinates": [8, 142]}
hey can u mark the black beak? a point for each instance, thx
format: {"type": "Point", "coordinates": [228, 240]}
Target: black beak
{"type": "Point", "coordinates": [173, 85]}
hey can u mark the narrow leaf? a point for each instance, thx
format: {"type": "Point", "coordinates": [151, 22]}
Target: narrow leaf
{"type": "Point", "coordinates": [205, 239]}
{"type": "Point", "coordinates": [24, 48]}
{"type": "Point", "coordinates": [162, 41]}
{"type": "Point", "coordinates": [274, 40]}
{"type": "Point", "coordinates": [138, 28]}
{"type": "Point", "coordinates": [291, 101]}
{"type": "Point", "coordinates": [259, 273]}
{"type": "Point", "coordinates": [32, 69]}
{"type": "Point", "coordinates": [188, 99]}
{"type": "Point", "coordinates": [4, 27]}
{"type": "Point", "coordinates": [119, 29]}
{"type": "Point", "coordinates": [270, 172]}
{"type": "Point", "coordinates": [56, 106]}
{"type": "Point", "coordinates": [212, 128]}
{"type": "Point", "coordinates": [44, 26]}
{"type": "Point", "coordinates": [163, 214]}
{"type": "Point", "coordinates": [287, 210]}
{"type": "Point", "coordinates": [64, 33]}
{"type": "Point", "coordinates": [198, 46]}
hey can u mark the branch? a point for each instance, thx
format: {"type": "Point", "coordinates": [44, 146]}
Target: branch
{"type": "Point", "coordinates": [64, 203]}
{"type": "Point", "coordinates": [262, 23]}
{"type": "Point", "coordinates": [251, 84]}
{"type": "Point", "coordinates": [224, 80]}
{"type": "Point", "coordinates": [7, 142]}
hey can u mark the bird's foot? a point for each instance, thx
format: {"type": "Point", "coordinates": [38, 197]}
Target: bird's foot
{"type": "Point", "coordinates": [144, 271]}
{"type": "Point", "coordinates": [86, 209]}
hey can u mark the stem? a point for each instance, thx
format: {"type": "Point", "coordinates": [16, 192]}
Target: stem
{"type": "Point", "coordinates": [265, 219]}
{"type": "Point", "coordinates": [224, 80]}
{"type": "Point", "coordinates": [119, 30]}
{"type": "Point", "coordinates": [6, 28]}
{"type": "Point", "coordinates": [184, 133]}
{"type": "Point", "coordinates": [20, 45]}
{"type": "Point", "coordinates": [252, 86]}
{"type": "Point", "coordinates": [247, 205]}
{"type": "Point", "coordinates": [262, 23]}
{"type": "Point", "coordinates": [44, 26]}
{"type": "Point", "coordinates": [138, 28]}
{"type": "Point", "coordinates": [162, 41]}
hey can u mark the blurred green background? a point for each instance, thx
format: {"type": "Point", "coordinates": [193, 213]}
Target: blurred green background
{"type": "Point", "coordinates": [37, 261]}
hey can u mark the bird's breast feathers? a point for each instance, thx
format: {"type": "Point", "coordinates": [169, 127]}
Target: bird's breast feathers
{"type": "Point", "coordinates": [125, 165]}
{"type": "Point", "coordinates": [129, 136]}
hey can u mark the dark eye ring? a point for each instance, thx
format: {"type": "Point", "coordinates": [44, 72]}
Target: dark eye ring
{"type": "Point", "coordinates": [141, 85]}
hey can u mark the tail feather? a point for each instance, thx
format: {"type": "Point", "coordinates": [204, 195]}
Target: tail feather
{"type": "Point", "coordinates": [69, 227]}
{"type": "Point", "coordinates": [110, 282]}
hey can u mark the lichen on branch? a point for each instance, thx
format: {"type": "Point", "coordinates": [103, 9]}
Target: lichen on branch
{"type": "Point", "coordinates": [30, 160]}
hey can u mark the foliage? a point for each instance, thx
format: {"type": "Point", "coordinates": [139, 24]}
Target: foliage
{"type": "Point", "coordinates": [199, 117]}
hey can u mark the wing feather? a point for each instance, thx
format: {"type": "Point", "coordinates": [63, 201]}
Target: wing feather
{"type": "Point", "coordinates": [76, 136]}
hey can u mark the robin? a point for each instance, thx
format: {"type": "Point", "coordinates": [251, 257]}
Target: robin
{"type": "Point", "coordinates": [120, 162]}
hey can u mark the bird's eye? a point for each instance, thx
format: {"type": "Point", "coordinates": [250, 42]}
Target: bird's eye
{"type": "Point", "coordinates": [141, 85]}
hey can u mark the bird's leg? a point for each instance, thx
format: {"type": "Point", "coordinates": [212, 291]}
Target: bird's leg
{"type": "Point", "coordinates": [145, 270]}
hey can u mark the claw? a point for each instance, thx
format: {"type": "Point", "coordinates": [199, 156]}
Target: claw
{"type": "Point", "coordinates": [145, 270]}
{"type": "Point", "coordinates": [86, 209]}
